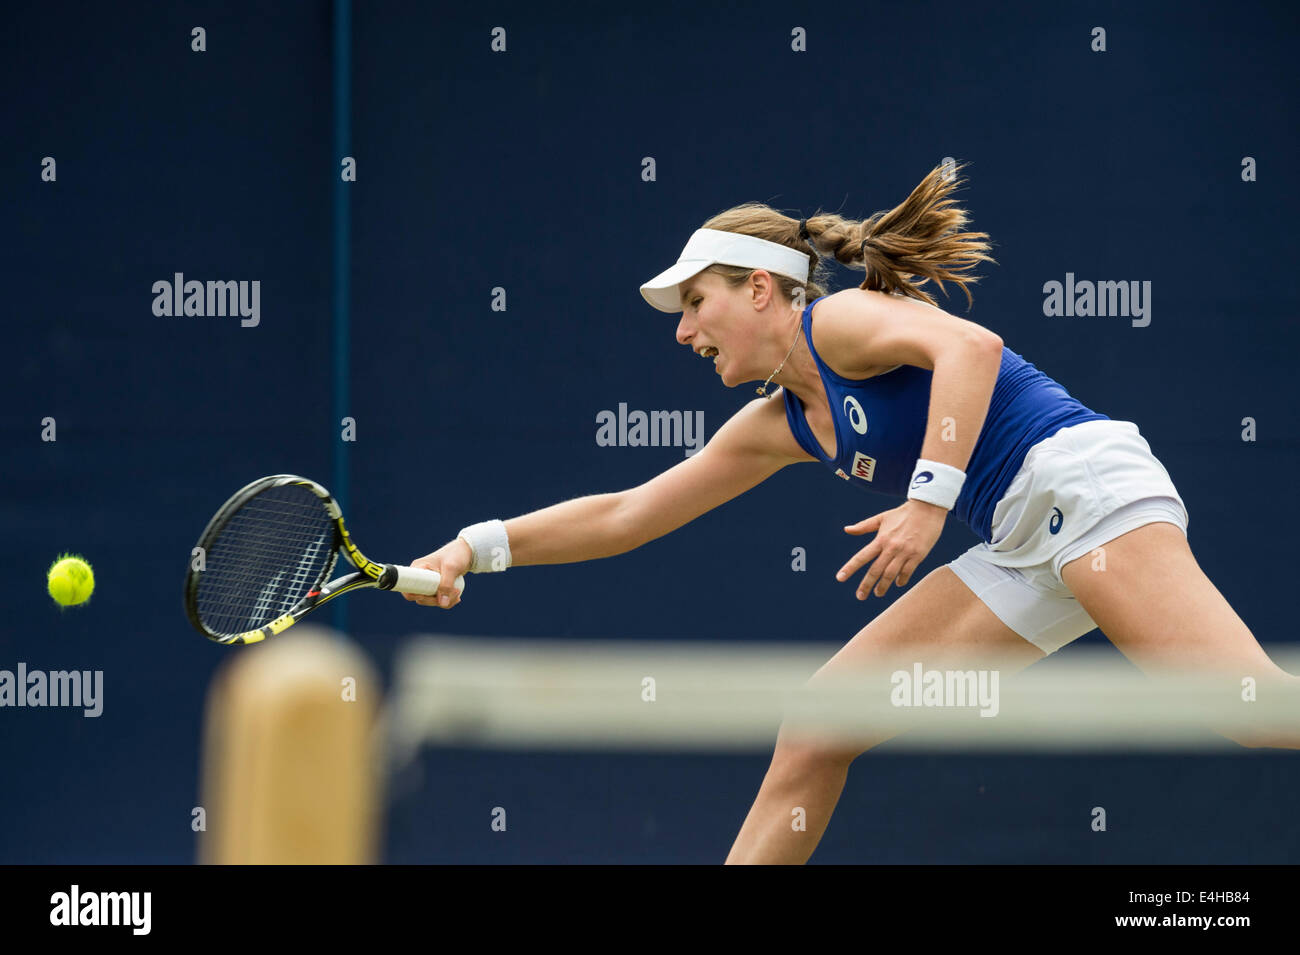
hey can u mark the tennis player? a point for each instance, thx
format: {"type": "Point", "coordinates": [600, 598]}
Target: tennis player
{"type": "Point", "coordinates": [1080, 526]}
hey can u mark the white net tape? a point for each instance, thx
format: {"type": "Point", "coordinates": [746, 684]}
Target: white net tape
{"type": "Point", "coordinates": [615, 695]}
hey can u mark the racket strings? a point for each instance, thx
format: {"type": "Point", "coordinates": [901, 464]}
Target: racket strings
{"type": "Point", "coordinates": [267, 556]}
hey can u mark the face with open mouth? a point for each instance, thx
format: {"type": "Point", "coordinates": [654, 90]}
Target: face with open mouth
{"type": "Point", "coordinates": [708, 326]}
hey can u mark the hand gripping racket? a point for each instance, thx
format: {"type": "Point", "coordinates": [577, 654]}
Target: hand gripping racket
{"type": "Point", "coordinates": [264, 561]}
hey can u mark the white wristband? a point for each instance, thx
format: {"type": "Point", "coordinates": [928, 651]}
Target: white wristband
{"type": "Point", "coordinates": [936, 483]}
{"type": "Point", "coordinates": [489, 546]}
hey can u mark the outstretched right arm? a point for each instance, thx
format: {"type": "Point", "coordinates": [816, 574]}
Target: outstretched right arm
{"type": "Point", "coordinates": [749, 448]}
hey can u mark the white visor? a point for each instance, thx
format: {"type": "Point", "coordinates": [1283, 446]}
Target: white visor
{"type": "Point", "coordinates": [712, 247]}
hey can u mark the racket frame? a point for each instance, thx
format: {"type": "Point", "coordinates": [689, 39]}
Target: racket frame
{"type": "Point", "coordinates": [367, 573]}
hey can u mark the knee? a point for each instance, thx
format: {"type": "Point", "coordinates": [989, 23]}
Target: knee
{"type": "Point", "coordinates": [801, 759]}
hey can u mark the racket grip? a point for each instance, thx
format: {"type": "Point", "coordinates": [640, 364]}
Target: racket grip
{"type": "Point", "coordinates": [415, 580]}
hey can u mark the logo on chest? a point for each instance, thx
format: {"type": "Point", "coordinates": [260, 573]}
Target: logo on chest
{"type": "Point", "coordinates": [863, 466]}
{"type": "Point", "coordinates": [857, 417]}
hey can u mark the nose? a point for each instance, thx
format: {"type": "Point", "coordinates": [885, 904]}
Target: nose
{"type": "Point", "coordinates": [685, 330]}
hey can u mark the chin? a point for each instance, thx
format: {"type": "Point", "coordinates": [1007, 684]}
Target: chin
{"type": "Point", "coordinates": [728, 378]}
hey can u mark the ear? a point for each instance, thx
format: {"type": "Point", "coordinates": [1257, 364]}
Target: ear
{"type": "Point", "coordinates": [762, 287]}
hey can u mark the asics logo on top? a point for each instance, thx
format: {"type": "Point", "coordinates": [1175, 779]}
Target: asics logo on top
{"type": "Point", "coordinates": [857, 419]}
{"type": "Point", "coordinates": [925, 477]}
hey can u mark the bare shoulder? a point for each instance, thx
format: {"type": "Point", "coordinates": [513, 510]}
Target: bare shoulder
{"type": "Point", "coordinates": [760, 426]}
{"type": "Point", "coordinates": [843, 321]}
{"type": "Point", "coordinates": [860, 333]}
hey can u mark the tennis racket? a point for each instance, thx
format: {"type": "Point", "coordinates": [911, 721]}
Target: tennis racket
{"type": "Point", "coordinates": [264, 561]}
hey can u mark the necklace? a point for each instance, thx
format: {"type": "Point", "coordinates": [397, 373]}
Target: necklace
{"type": "Point", "coordinates": [763, 390]}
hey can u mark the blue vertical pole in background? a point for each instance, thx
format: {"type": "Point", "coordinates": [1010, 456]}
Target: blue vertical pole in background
{"type": "Point", "coordinates": [342, 261]}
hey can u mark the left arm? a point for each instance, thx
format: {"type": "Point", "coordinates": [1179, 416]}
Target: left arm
{"type": "Point", "coordinates": [863, 330]}
{"type": "Point", "coordinates": [960, 391]}
{"type": "Point", "coordinates": [859, 330]}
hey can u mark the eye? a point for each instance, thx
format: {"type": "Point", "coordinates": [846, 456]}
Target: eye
{"type": "Point", "coordinates": [695, 302]}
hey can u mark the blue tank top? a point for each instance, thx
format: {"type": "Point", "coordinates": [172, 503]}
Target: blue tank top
{"type": "Point", "coordinates": [880, 428]}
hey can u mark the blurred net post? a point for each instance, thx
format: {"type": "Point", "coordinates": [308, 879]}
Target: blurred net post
{"type": "Point", "coordinates": [289, 768]}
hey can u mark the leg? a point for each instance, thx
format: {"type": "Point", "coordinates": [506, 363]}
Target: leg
{"type": "Point", "coordinates": [940, 622]}
{"type": "Point", "coordinates": [1160, 610]}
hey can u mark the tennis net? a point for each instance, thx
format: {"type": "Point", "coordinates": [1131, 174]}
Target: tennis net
{"type": "Point", "coordinates": [618, 695]}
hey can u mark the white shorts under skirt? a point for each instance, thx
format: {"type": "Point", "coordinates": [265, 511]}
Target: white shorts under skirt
{"type": "Point", "coordinates": [1075, 491]}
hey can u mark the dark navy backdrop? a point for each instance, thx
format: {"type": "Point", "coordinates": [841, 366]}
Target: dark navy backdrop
{"type": "Point", "coordinates": [522, 170]}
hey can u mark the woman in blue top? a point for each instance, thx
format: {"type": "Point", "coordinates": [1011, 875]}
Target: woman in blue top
{"type": "Point", "coordinates": [893, 394]}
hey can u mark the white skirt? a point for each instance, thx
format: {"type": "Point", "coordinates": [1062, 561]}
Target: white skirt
{"type": "Point", "coordinates": [1076, 490]}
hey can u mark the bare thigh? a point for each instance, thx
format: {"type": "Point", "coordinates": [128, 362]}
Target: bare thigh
{"type": "Point", "coordinates": [939, 623]}
{"type": "Point", "coordinates": [1157, 606]}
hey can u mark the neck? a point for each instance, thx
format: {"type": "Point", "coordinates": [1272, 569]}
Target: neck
{"type": "Point", "coordinates": [799, 375]}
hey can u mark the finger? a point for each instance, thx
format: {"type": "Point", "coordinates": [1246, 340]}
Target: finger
{"type": "Point", "coordinates": [448, 594]}
{"type": "Point", "coordinates": [905, 575]}
{"type": "Point", "coordinates": [860, 559]}
{"type": "Point", "coordinates": [423, 563]}
{"type": "Point", "coordinates": [427, 600]}
{"type": "Point", "coordinates": [873, 574]}
{"type": "Point", "coordinates": [891, 572]}
{"type": "Point", "coordinates": [865, 526]}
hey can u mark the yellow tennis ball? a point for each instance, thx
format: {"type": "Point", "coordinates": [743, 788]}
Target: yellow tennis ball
{"type": "Point", "coordinates": [70, 581]}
